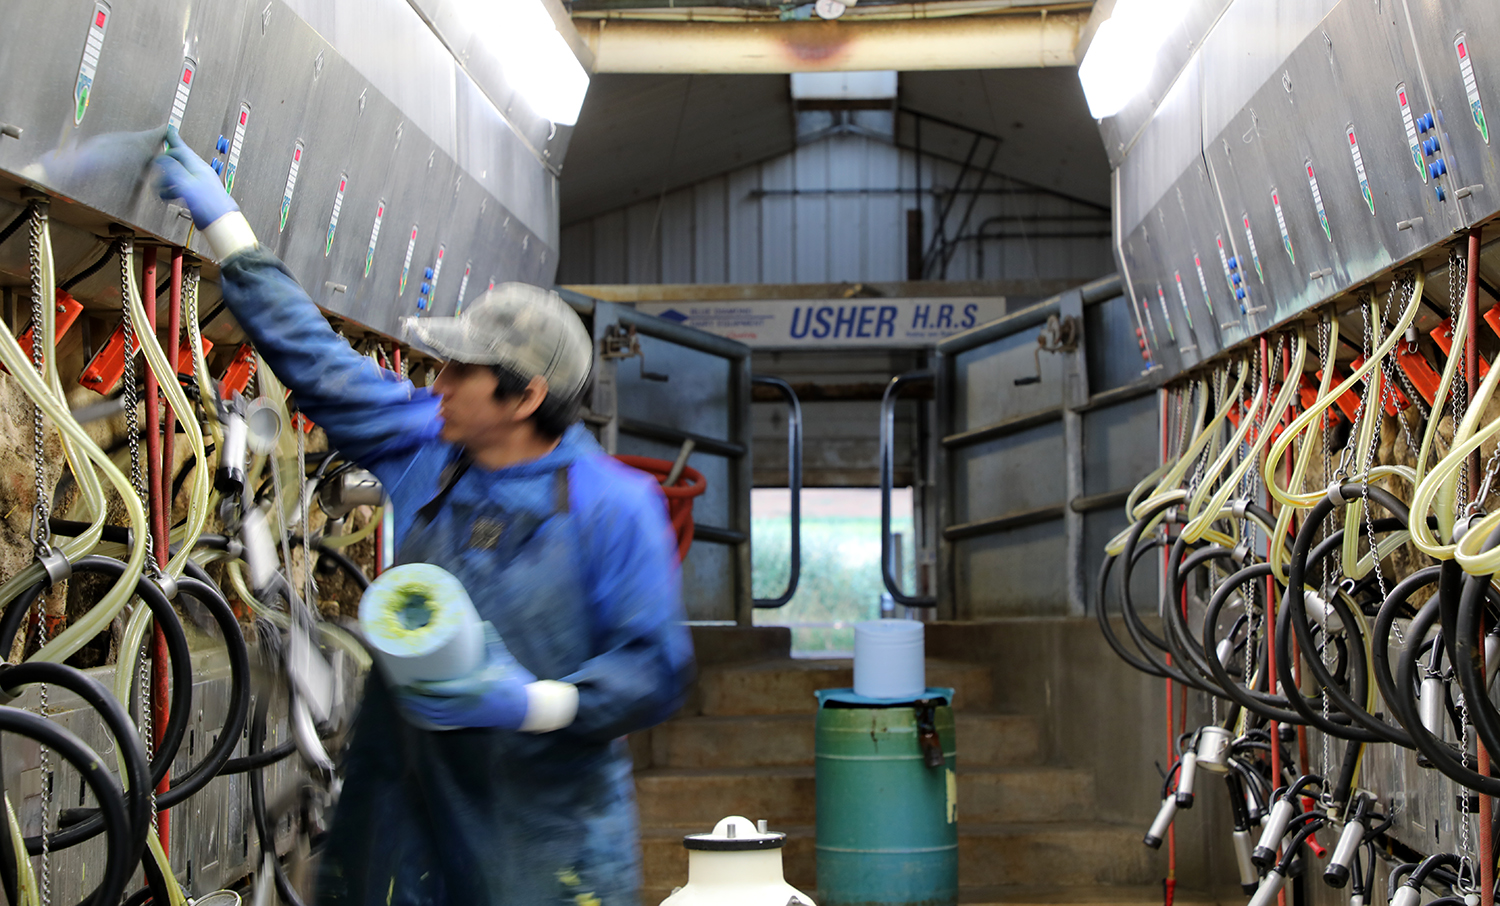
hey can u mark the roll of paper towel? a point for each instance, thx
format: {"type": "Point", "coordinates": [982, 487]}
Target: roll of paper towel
{"type": "Point", "coordinates": [421, 624]}
{"type": "Point", "coordinates": [889, 659]}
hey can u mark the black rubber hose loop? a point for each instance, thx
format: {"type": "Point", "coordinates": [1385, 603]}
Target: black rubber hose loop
{"type": "Point", "coordinates": [121, 848]}
{"type": "Point", "coordinates": [1101, 612]}
{"type": "Point", "coordinates": [177, 653]}
{"type": "Point", "coordinates": [1271, 707]}
{"type": "Point", "coordinates": [1294, 612]}
{"type": "Point", "coordinates": [198, 776]}
{"type": "Point", "coordinates": [1467, 655]}
{"type": "Point", "coordinates": [264, 832]}
{"type": "Point", "coordinates": [1144, 639]}
{"type": "Point", "coordinates": [1189, 650]}
{"type": "Point", "coordinates": [1442, 756]}
{"type": "Point", "coordinates": [117, 720]}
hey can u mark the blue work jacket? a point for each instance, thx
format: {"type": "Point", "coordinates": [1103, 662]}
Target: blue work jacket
{"type": "Point", "coordinates": [582, 584]}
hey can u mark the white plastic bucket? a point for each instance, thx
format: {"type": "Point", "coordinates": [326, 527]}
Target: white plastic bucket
{"type": "Point", "coordinates": [889, 659]}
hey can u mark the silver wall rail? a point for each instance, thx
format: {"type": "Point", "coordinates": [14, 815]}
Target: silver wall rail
{"type": "Point", "coordinates": [793, 484]}
{"type": "Point", "coordinates": [889, 571]}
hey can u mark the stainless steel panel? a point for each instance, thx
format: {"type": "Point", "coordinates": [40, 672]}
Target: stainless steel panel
{"type": "Point", "coordinates": [1020, 472]}
{"type": "Point", "coordinates": [1012, 574]}
{"type": "Point", "coordinates": [441, 154]}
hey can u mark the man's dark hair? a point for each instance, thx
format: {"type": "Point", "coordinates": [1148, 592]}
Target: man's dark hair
{"type": "Point", "coordinates": [555, 415]}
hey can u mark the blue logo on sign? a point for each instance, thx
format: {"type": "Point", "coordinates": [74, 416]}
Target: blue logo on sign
{"type": "Point", "coordinates": [673, 314]}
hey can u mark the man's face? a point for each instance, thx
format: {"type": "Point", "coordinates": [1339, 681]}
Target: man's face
{"type": "Point", "coordinates": [470, 412]}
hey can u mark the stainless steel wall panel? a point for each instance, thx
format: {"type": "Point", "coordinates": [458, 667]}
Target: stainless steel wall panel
{"type": "Point", "coordinates": [496, 208]}
{"type": "Point", "coordinates": [1167, 146]}
{"type": "Point", "coordinates": [1011, 574]}
{"type": "Point", "coordinates": [1009, 474]}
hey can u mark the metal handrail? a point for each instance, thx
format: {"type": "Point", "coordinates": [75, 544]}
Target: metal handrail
{"type": "Point", "coordinates": [793, 483]}
{"type": "Point", "coordinates": [887, 479]}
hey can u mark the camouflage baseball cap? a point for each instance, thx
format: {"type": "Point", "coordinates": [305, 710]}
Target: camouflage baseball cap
{"type": "Point", "coordinates": [527, 329]}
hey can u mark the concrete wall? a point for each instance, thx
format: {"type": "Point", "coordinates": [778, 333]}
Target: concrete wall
{"type": "Point", "coordinates": [1103, 716]}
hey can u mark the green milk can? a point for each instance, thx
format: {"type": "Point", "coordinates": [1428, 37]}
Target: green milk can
{"type": "Point", "coordinates": [887, 830]}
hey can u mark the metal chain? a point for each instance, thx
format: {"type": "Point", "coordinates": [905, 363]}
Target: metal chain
{"type": "Point", "coordinates": [1458, 273]}
{"type": "Point", "coordinates": [41, 535]}
{"type": "Point", "coordinates": [304, 515]}
{"type": "Point", "coordinates": [1369, 463]}
{"type": "Point", "coordinates": [138, 482]}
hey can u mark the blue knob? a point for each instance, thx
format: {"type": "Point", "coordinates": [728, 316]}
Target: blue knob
{"type": "Point", "coordinates": [1239, 293]}
{"type": "Point", "coordinates": [222, 144]}
{"type": "Point", "coordinates": [217, 164]}
{"type": "Point", "coordinates": [1235, 278]}
{"type": "Point", "coordinates": [1432, 170]}
{"type": "Point", "coordinates": [426, 288]}
{"type": "Point", "coordinates": [1442, 166]}
{"type": "Point", "coordinates": [421, 302]}
{"type": "Point", "coordinates": [1441, 195]}
{"type": "Point", "coordinates": [1234, 263]}
{"type": "Point", "coordinates": [427, 272]}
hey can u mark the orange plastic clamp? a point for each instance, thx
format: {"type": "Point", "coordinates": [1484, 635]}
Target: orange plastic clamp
{"type": "Point", "coordinates": [237, 375]}
{"type": "Point", "coordinates": [108, 364]}
{"type": "Point", "coordinates": [1308, 395]}
{"type": "Point", "coordinates": [68, 310]}
{"type": "Point", "coordinates": [1421, 375]}
{"type": "Point", "coordinates": [1395, 401]}
{"type": "Point", "coordinates": [1350, 402]}
{"type": "Point", "coordinates": [1442, 335]}
{"type": "Point", "coordinates": [1492, 318]}
{"type": "Point", "coordinates": [185, 355]}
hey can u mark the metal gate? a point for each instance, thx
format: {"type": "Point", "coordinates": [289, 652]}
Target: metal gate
{"type": "Point", "coordinates": [659, 389]}
{"type": "Point", "coordinates": [1039, 439]}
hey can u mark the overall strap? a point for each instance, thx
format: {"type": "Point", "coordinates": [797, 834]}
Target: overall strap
{"type": "Point", "coordinates": [448, 479]}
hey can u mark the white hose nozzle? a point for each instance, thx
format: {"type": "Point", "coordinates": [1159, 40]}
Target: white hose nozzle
{"type": "Point", "coordinates": [1270, 838]}
{"type": "Point", "coordinates": [1407, 895]}
{"type": "Point", "coordinates": [1158, 831]}
{"type": "Point", "coordinates": [1185, 778]}
{"type": "Point", "coordinates": [1249, 876]}
{"type": "Point", "coordinates": [1265, 894]}
{"type": "Point", "coordinates": [1431, 705]}
{"type": "Point", "coordinates": [1337, 872]}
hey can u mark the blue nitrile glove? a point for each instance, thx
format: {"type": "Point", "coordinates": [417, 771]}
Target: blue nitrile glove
{"type": "Point", "coordinates": [492, 696]}
{"type": "Point", "coordinates": [113, 156]}
{"type": "Point", "coordinates": [186, 179]}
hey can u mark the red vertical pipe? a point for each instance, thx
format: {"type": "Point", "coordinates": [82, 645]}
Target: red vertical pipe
{"type": "Point", "coordinates": [1169, 885]}
{"type": "Point", "coordinates": [160, 691]}
{"type": "Point", "coordinates": [174, 332]}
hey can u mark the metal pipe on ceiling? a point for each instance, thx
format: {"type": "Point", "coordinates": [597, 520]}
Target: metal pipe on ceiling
{"type": "Point", "coordinates": [978, 42]}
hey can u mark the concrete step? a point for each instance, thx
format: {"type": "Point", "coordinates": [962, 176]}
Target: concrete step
{"type": "Point", "coordinates": [698, 797]}
{"type": "Point", "coordinates": [788, 686]}
{"type": "Point", "coordinates": [767, 740]}
{"type": "Point", "coordinates": [1002, 863]}
{"type": "Point", "coordinates": [1117, 895]}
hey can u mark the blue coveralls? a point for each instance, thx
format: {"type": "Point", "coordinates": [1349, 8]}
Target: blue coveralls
{"type": "Point", "coordinates": [582, 585]}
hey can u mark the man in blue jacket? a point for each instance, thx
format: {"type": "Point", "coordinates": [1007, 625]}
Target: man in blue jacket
{"type": "Point", "coordinates": [527, 796]}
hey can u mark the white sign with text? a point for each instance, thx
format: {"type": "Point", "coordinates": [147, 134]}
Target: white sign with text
{"type": "Point", "coordinates": [822, 323]}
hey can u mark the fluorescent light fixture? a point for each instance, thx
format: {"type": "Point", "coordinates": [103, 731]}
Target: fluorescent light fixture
{"type": "Point", "coordinates": [1122, 56]}
{"type": "Point", "coordinates": [536, 60]}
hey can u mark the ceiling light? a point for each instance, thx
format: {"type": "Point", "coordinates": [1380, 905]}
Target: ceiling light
{"type": "Point", "coordinates": [1122, 56]}
{"type": "Point", "coordinates": [533, 55]}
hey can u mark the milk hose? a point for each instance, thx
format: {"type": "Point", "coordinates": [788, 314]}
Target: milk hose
{"type": "Point", "coordinates": [1101, 612]}
{"type": "Point", "coordinates": [177, 647]}
{"type": "Point", "coordinates": [1251, 698]}
{"type": "Point", "coordinates": [117, 721]}
{"type": "Point", "coordinates": [1294, 616]}
{"type": "Point", "coordinates": [1438, 752]}
{"type": "Point", "coordinates": [1313, 414]}
{"type": "Point", "coordinates": [1467, 655]}
{"type": "Point", "coordinates": [120, 861]}
{"type": "Point", "coordinates": [264, 832]}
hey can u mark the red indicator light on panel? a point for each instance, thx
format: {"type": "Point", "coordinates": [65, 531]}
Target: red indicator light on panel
{"type": "Point", "coordinates": [244, 116]}
{"type": "Point", "coordinates": [187, 76]}
{"type": "Point", "coordinates": [1351, 137]}
{"type": "Point", "coordinates": [1401, 95]}
{"type": "Point", "coordinates": [99, 19]}
{"type": "Point", "coordinates": [413, 233]}
{"type": "Point", "coordinates": [342, 183]}
{"type": "Point", "coordinates": [1463, 50]}
{"type": "Point", "coordinates": [1274, 199]}
{"type": "Point", "coordinates": [440, 254]}
{"type": "Point", "coordinates": [380, 211]}
{"type": "Point", "coordinates": [297, 155]}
